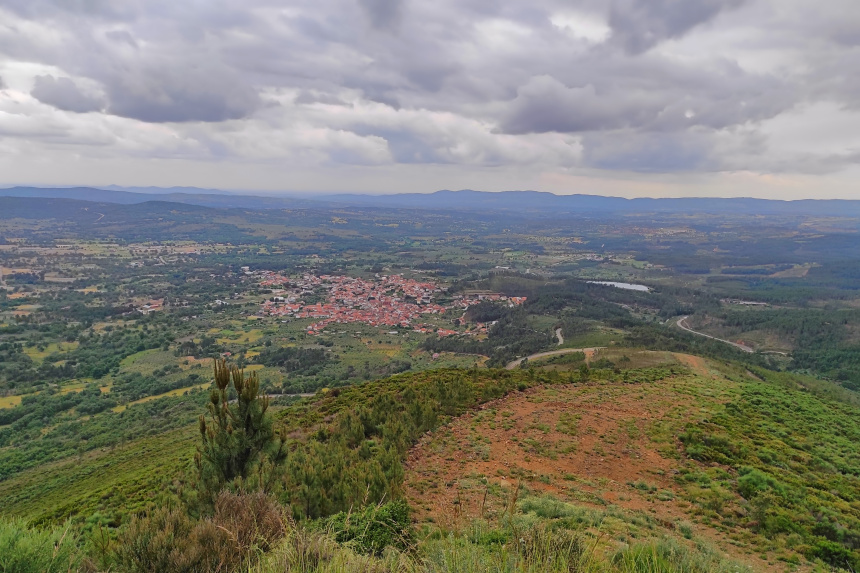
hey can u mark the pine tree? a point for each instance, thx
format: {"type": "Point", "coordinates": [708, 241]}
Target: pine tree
{"type": "Point", "coordinates": [239, 449]}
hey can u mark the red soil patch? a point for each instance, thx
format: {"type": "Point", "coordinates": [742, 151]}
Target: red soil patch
{"type": "Point", "coordinates": [595, 444]}
{"type": "Point", "coordinates": [574, 442]}
{"type": "Point", "coordinates": [695, 363]}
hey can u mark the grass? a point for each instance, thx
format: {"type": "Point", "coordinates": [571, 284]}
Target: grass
{"type": "Point", "coordinates": [10, 401]}
{"type": "Point", "coordinates": [601, 337]}
{"type": "Point", "coordinates": [542, 535]}
{"type": "Point", "coordinates": [147, 361]}
{"type": "Point", "coordinates": [74, 386]}
{"type": "Point", "coordinates": [176, 392]}
{"type": "Point", "coordinates": [249, 337]}
{"type": "Point", "coordinates": [53, 348]}
{"type": "Point", "coordinates": [669, 556]}
{"type": "Point", "coordinates": [114, 482]}
{"type": "Point", "coordinates": [481, 548]}
{"type": "Point", "coordinates": [485, 550]}
{"type": "Point", "coordinates": [25, 550]}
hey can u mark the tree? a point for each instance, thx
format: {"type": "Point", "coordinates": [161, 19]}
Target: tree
{"type": "Point", "coordinates": [239, 448]}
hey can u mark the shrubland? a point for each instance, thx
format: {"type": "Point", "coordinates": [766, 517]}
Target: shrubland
{"type": "Point", "coordinates": [762, 469]}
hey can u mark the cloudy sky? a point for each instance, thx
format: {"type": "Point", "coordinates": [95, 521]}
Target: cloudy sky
{"type": "Point", "coordinates": [619, 97]}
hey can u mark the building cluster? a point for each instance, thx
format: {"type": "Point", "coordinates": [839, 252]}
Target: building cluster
{"type": "Point", "coordinates": [151, 306]}
{"type": "Point", "coordinates": [387, 300]}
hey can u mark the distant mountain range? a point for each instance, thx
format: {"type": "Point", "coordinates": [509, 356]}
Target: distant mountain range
{"type": "Point", "coordinates": [202, 198]}
{"type": "Point", "coordinates": [522, 202]}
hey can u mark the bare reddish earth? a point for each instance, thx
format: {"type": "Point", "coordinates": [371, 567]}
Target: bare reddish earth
{"type": "Point", "coordinates": [596, 444]}
{"type": "Point", "coordinates": [609, 449]}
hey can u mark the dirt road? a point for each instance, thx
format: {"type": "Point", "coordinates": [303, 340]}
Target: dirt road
{"type": "Point", "coordinates": [589, 352]}
{"type": "Point", "coordinates": [683, 326]}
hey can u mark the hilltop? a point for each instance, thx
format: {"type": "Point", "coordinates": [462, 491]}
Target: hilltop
{"type": "Point", "coordinates": [686, 448]}
{"type": "Point", "coordinates": [711, 461]}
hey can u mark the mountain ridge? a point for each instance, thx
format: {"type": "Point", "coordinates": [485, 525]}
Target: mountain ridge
{"type": "Point", "coordinates": [537, 202]}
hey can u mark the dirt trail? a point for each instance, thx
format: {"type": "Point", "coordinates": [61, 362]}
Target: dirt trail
{"type": "Point", "coordinates": [589, 354]}
{"type": "Point", "coordinates": [695, 363]}
{"type": "Point", "coordinates": [683, 326]}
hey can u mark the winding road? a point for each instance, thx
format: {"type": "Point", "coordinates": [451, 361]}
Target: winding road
{"type": "Point", "coordinates": [683, 326]}
{"type": "Point", "coordinates": [589, 352]}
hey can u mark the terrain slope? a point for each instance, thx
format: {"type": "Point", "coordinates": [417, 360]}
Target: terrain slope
{"type": "Point", "coordinates": [688, 452]}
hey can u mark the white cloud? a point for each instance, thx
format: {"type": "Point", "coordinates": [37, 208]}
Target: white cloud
{"type": "Point", "coordinates": [582, 25]}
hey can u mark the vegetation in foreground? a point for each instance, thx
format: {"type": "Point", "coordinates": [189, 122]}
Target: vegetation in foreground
{"type": "Point", "coordinates": [322, 512]}
{"type": "Point", "coordinates": [251, 533]}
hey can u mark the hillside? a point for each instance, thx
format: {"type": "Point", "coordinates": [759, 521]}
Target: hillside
{"type": "Point", "coordinates": [709, 452]}
{"type": "Point", "coordinates": [703, 464]}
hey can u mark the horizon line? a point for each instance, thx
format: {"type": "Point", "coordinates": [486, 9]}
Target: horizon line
{"type": "Point", "coordinates": [184, 189]}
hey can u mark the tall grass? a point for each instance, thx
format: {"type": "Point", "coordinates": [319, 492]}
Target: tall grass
{"type": "Point", "coordinates": [668, 556]}
{"type": "Point", "coordinates": [539, 551]}
{"type": "Point", "coordinates": [536, 550]}
{"type": "Point", "coordinates": [24, 550]}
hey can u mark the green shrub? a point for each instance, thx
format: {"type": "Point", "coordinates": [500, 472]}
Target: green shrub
{"type": "Point", "coordinates": [374, 528]}
{"type": "Point", "coordinates": [668, 556]}
{"type": "Point", "coordinates": [169, 541]}
{"type": "Point", "coordinates": [753, 482]}
{"type": "Point", "coordinates": [24, 550]}
{"type": "Point", "coordinates": [548, 507]}
{"type": "Point", "coordinates": [834, 554]}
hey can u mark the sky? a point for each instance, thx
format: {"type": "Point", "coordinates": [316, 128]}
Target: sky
{"type": "Point", "coordinates": [659, 98]}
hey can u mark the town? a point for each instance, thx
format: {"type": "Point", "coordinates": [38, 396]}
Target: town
{"type": "Point", "coordinates": [389, 300]}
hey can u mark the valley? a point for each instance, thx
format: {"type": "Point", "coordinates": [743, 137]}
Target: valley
{"type": "Point", "coordinates": [482, 374]}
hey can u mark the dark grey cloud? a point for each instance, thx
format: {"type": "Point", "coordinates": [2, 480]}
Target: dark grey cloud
{"type": "Point", "coordinates": [545, 104]}
{"type": "Point", "coordinates": [457, 80]}
{"type": "Point", "coordinates": [639, 25]}
{"type": "Point", "coordinates": [179, 94]}
{"type": "Point", "coordinates": [651, 97]}
{"type": "Point", "coordinates": [64, 94]}
{"type": "Point", "coordinates": [383, 14]}
{"type": "Point", "coordinates": [2, 83]}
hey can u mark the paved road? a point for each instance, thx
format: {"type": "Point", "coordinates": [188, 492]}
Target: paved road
{"type": "Point", "coordinates": [519, 361]}
{"type": "Point", "coordinates": [273, 396]}
{"type": "Point", "coordinates": [683, 326]}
